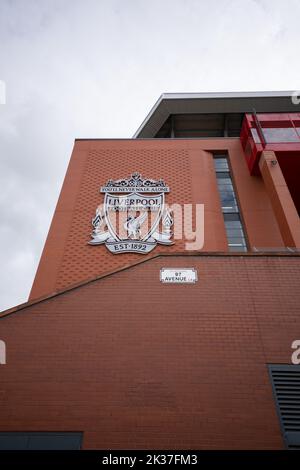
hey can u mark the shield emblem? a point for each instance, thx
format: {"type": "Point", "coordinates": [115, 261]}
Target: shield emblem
{"type": "Point", "coordinates": [129, 219]}
{"type": "Point", "coordinates": [133, 216]}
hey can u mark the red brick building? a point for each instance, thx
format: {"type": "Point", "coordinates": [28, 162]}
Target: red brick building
{"type": "Point", "coordinates": [106, 355]}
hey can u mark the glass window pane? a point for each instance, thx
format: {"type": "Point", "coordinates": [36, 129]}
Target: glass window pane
{"type": "Point", "coordinates": [221, 164]}
{"type": "Point", "coordinates": [222, 175]}
{"type": "Point", "coordinates": [224, 182]}
{"type": "Point", "coordinates": [234, 232]}
{"type": "Point", "coordinates": [233, 225]}
{"type": "Point", "coordinates": [228, 201]}
{"type": "Point", "coordinates": [237, 248]}
{"type": "Point", "coordinates": [284, 134]}
{"type": "Point", "coordinates": [236, 241]}
{"type": "Point", "coordinates": [229, 208]}
{"type": "Point", "coordinates": [227, 195]}
{"type": "Point", "coordinates": [255, 135]}
{"type": "Point", "coordinates": [231, 218]}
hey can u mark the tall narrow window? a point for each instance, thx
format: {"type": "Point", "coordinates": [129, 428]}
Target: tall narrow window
{"type": "Point", "coordinates": [230, 209]}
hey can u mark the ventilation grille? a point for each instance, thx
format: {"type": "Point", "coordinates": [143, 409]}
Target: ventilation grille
{"type": "Point", "coordinates": [286, 388]}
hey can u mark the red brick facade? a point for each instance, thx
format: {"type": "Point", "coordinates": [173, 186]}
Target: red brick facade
{"type": "Point", "coordinates": [134, 363]}
{"type": "Point", "coordinates": [185, 165]}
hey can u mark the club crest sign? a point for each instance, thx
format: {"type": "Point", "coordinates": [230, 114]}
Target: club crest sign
{"type": "Point", "coordinates": [133, 217]}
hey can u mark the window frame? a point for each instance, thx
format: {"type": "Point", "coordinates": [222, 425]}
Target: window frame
{"type": "Point", "coordinates": [231, 246]}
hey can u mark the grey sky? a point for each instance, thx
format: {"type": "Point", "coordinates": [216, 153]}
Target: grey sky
{"type": "Point", "coordinates": [94, 68]}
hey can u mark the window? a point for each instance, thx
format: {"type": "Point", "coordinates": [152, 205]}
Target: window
{"type": "Point", "coordinates": [285, 381]}
{"type": "Point", "coordinates": [255, 135]}
{"type": "Point", "coordinates": [283, 134]}
{"type": "Point", "coordinates": [274, 135]}
{"type": "Point", "coordinates": [230, 209]}
{"type": "Point", "coordinates": [40, 440]}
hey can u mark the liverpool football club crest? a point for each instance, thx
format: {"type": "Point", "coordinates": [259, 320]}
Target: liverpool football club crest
{"type": "Point", "coordinates": [133, 217]}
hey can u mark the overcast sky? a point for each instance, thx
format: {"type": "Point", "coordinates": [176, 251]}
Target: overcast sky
{"type": "Point", "coordinates": [94, 68]}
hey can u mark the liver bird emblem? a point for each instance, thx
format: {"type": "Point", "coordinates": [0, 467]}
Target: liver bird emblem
{"type": "Point", "coordinates": [133, 225]}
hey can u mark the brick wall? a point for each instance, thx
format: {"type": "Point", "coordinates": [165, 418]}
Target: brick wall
{"type": "Point", "coordinates": [137, 364]}
{"type": "Point", "coordinates": [185, 165]}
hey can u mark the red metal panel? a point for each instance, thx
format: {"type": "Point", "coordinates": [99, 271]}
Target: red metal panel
{"type": "Point", "coordinates": [253, 149]}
